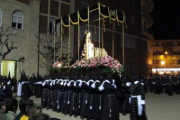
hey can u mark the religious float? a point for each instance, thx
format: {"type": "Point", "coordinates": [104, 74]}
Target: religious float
{"type": "Point", "coordinates": [88, 58]}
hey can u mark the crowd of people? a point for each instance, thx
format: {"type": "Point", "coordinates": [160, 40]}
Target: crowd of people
{"type": "Point", "coordinates": [159, 83]}
{"type": "Point", "coordinates": [28, 110]}
{"type": "Point", "coordinates": [36, 85]}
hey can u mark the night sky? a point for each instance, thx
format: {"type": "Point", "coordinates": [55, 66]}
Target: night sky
{"type": "Point", "coordinates": [166, 16]}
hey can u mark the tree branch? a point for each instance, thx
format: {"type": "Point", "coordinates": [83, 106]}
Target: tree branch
{"type": "Point", "coordinates": [9, 49]}
{"type": "Point", "coordinates": [43, 64]}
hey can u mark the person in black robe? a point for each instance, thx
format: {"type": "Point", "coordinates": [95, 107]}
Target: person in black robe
{"type": "Point", "coordinates": [85, 104]}
{"type": "Point", "coordinates": [137, 100]}
{"type": "Point", "coordinates": [1, 87]}
{"type": "Point", "coordinates": [111, 103]}
{"type": "Point", "coordinates": [9, 87]}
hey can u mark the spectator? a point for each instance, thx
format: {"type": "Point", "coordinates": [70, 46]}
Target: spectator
{"type": "Point", "coordinates": [32, 109]}
{"type": "Point", "coordinates": [22, 106]}
{"type": "Point", "coordinates": [11, 108]}
{"type": "Point", "coordinates": [40, 117]}
{"type": "Point", "coordinates": [2, 109]}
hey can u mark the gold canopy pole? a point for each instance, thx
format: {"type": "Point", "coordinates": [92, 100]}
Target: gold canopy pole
{"type": "Point", "coordinates": [54, 40]}
{"type": "Point", "coordinates": [123, 41]}
{"type": "Point", "coordinates": [113, 39]}
{"type": "Point", "coordinates": [88, 18]}
{"type": "Point", "coordinates": [88, 41]}
{"type": "Point", "coordinates": [99, 28]}
{"type": "Point", "coordinates": [69, 42]}
{"type": "Point", "coordinates": [61, 41]}
{"type": "Point", "coordinates": [104, 29]}
{"type": "Point", "coordinates": [78, 36]}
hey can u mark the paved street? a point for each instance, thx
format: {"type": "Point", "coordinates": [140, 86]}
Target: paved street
{"type": "Point", "coordinates": [158, 107]}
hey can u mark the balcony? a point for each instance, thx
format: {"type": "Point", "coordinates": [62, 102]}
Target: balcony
{"type": "Point", "coordinates": [177, 53]}
{"type": "Point", "coordinates": [157, 53]}
{"type": "Point", "coordinates": [149, 5]}
{"type": "Point", "coordinates": [176, 49]}
{"type": "Point", "coordinates": [157, 49]}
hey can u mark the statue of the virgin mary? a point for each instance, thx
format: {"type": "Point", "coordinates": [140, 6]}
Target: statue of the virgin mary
{"type": "Point", "coordinates": [87, 49]}
{"type": "Point", "coordinates": [90, 51]}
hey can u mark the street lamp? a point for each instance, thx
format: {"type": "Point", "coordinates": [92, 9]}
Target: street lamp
{"type": "Point", "coordinates": [166, 52]}
{"type": "Point", "coordinates": [162, 62]}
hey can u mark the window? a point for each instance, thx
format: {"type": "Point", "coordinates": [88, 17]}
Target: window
{"type": "Point", "coordinates": [17, 20]}
{"type": "Point", "coordinates": [144, 8]}
{"type": "Point", "coordinates": [157, 53]}
{"type": "Point", "coordinates": [176, 43]}
{"type": "Point", "coordinates": [156, 62]}
{"type": "Point", "coordinates": [132, 19]}
{"type": "Point", "coordinates": [58, 29]}
{"type": "Point", "coordinates": [132, 1]}
{"type": "Point", "coordinates": [0, 17]}
{"type": "Point", "coordinates": [145, 27]}
{"type": "Point", "coordinates": [158, 44]}
{"type": "Point", "coordinates": [84, 4]}
{"type": "Point", "coordinates": [130, 43]}
{"type": "Point", "coordinates": [51, 27]}
{"type": "Point", "coordinates": [177, 61]}
{"type": "Point", "coordinates": [176, 52]}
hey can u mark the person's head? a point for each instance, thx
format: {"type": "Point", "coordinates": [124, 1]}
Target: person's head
{"type": "Point", "coordinates": [33, 109]}
{"type": "Point", "coordinates": [3, 104]}
{"type": "Point", "coordinates": [23, 104]}
{"type": "Point", "coordinates": [11, 105]}
{"type": "Point", "coordinates": [40, 117]}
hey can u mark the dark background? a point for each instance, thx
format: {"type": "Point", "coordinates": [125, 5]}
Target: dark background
{"type": "Point", "coordinates": [166, 16]}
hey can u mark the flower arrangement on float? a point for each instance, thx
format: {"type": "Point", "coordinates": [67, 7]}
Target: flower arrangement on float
{"type": "Point", "coordinates": [57, 64]}
{"type": "Point", "coordinates": [54, 70]}
{"type": "Point", "coordinates": [106, 62]}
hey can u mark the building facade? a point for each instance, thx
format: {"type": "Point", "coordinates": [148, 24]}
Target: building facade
{"type": "Point", "coordinates": [24, 17]}
{"type": "Point", "coordinates": [166, 56]}
{"type": "Point", "coordinates": [32, 19]}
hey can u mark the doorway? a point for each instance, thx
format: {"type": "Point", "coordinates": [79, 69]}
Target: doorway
{"type": "Point", "coordinates": [8, 65]}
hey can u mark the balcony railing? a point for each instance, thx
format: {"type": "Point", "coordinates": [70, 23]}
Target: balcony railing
{"type": "Point", "coordinates": [157, 53]}
{"type": "Point", "coordinates": [144, 29]}
{"type": "Point", "coordinates": [149, 5]}
{"type": "Point", "coordinates": [143, 10]}
{"type": "Point", "coordinates": [176, 53]}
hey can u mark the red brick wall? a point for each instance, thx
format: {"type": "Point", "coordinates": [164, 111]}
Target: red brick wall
{"type": "Point", "coordinates": [54, 8]}
{"type": "Point", "coordinates": [44, 6]}
{"type": "Point", "coordinates": [65, 10]}
{"type": "Point", "coordinates": [66, 0]}
{"type": "Point", "coordinates": [43, 24]}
